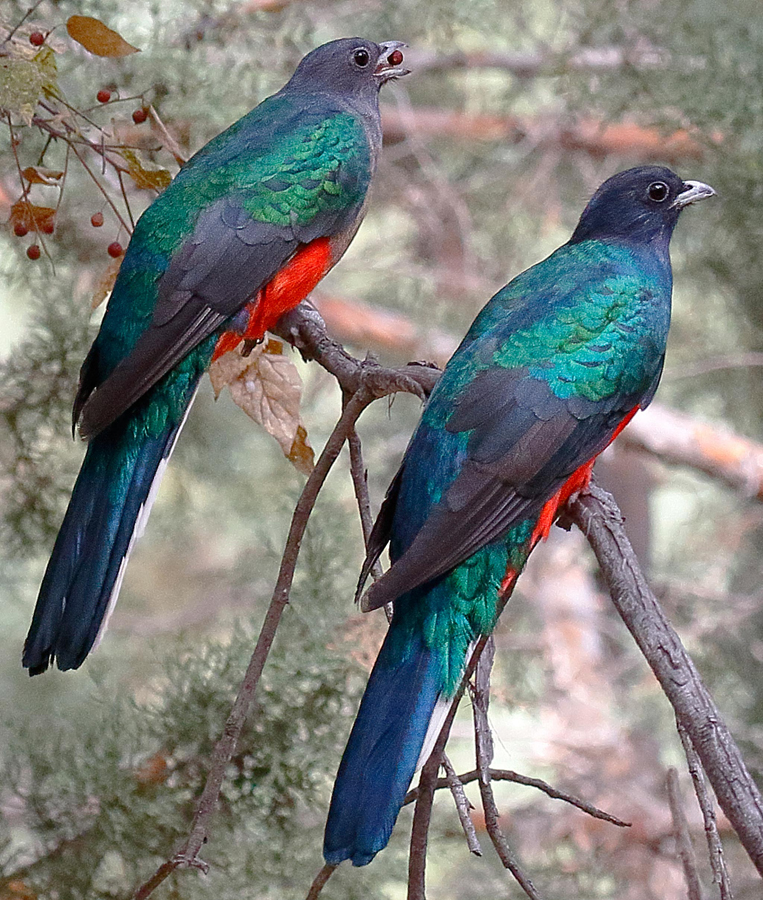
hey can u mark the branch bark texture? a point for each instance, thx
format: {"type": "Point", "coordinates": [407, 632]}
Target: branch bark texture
{"type": "Point", "coordinates": [597, 515]}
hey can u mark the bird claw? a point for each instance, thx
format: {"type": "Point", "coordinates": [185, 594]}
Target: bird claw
{"type": "Point", "coordinates": [182, 861]}
{"type": "Point", "coordinates": [381, 381]}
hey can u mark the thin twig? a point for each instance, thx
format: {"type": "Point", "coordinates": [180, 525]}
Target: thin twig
{"type": "Point", "coordinates": [428, 779]}
{"type": "Point", "coordinates": [484, 749]}
{"type": "Point", "coordinates": [188, 855]}
{"type": "Point", "coordinates": [101, 188]}
{"type": "Point", "coordinates": [16, 27]}
{"type": "Point", "coordinates": [417, 855]}
{"type": "Point", "coordinates": [168, 142]}
{"type": "Point", "coordinates": [125, 198]}
{"type": "Point", "coordinates": [367, 382]}
{"type": "Point", "coordinates": [683, 838]}
{"type": "Point", "coordinates": [360, 486]}
{"type": "Point", "coordinates": [598, 517]}
{"type": "Point", "coordinates": [462, 806]}
{"type": "Point", "coordinates": [714, 846]}
{"type": "Point", "coordinates": [319, 881]}
{"type": "Point", "coordinates": [516, 778]}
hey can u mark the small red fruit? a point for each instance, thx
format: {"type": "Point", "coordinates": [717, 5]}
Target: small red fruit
{"type": "Point", "coordinates": [48, 226]}
{"type": "Point", "coordinates": [33, 251]}
{"type": "Point", "coordinates": [96, 220]}
{"type": "Point", "coordinates": [114, 249]}
{"type": "Point", "coordinates": [140, 115]}
{"type": "Point", "coordinates": [20, 229]}
{"type": "Point", "coordinates": [103, 96]}
{"type": "Point", "coordinates": [395, 58]}
{"type": "Point", "coordinates": [36, 39]}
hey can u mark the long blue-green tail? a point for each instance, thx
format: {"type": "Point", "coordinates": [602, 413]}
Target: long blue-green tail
{"type": "Point", "coordinates": [382, 752]}
{"type": "Point", "coordinates": [107, 513]}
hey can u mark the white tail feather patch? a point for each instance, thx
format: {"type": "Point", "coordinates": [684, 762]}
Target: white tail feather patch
{"type": "Point", "coordinates": [140, 526]}
{"type": "Point", "coordinates": [439, 714]}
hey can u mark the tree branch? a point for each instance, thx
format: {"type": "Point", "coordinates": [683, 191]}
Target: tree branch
{"type": "Point", "coordinates": [597, 515]}
{"type": "Point", "coordinates": [363, 381]}
{"type": "Point", "coordinates": [592, 136]}
{"type": "Point", "coordinates": [484, 749]}
{"type": "Point", "coordinates": [681, 439]}
{"type": "Point", "coordinates": [319, 882]}
{"type": "Point", "coordinates": [516, 778]}
{"type": "Point", "coordinates": [714, 846]}
{"type": "Point", "coordinates": [671, 436]}
{"type": "Point", "coordinates": [683, 838]}
{"type": "Point", "coordinates": [534, 64]}
{"type": "Point", "coordinates": [462, 805]}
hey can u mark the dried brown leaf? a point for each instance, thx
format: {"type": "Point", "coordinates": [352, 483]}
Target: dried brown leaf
{"type": "Point", "coordinates": [33, 217]}
{"type": "Point", "coordinates": [98, 38]}
{"type": "Point", "coordinates": [145, 176]}
{"type": "Point", "coordinates": [267, 386]}
{"type": "Point", "coordinates": [301, 453]}
{"type": "Point", "coordinates": [41, 175]}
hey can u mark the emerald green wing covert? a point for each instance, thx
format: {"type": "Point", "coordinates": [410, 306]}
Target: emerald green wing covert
{"type": "Point", "coordinates": [225, 226]}
{"type": "Point", "coordinates": [541, 382]}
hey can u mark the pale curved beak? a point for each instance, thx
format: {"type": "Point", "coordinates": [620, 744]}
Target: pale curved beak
{"type": "Point", "coordinates": [386, 70]}
{"type": "Point", "coordinates": [692, 193]}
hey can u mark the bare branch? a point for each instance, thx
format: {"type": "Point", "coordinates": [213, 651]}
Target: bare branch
{"type": "Point", "coordinates": [168, 142]}
{"type": "Point", "coordinates": [673, 437]}
{"type": "Point", "coordinates": [534, 64]}
{"type": "Point", "coordinates": [714, 846]}
{"type": "Point", "coordinates": [363, 382]}
{"type": "Point", "coordinates": [682, 439]}
{"type": "Point", "coordinates": [462, 806]}
{"type": "Point", "coordinates": [597, 515]}
{"type": "Point", "coordinates": [417, 857]}
{"type": "Point", "coordinates": [593, 136]}
{"type": "Point", "coordinates": [683, 838]}
{"type": "Point", "coordinates": [320, 881]}
{"type": "Point", "coordinates": [188, 855]}
{"type": "Point", "coordinates": [484, 748]}
{"type": "Point", "coordinates": [516, 778]}
{"type": "Point", "coordinates": [428, 780]}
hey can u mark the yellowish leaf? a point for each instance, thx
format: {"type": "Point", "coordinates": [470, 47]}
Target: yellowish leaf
{"type": "Point", "coordinates": [267, 386]}
{"type": "Point", "coordinates": [20, 86]}
{"type": "Point", "coordinates": [42, 175]}
{"type": "Point", "coordinates": [45, 60]}
{"type": "Point", "coordinates": [144, 175]}
{"type": "Point", "coordinates": [98, 38]}
{"type": "Point", "coordinates": [24, 79]}
{"type": "Point", "coordinates": [106, 282]}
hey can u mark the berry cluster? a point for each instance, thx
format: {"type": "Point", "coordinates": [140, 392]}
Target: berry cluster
{"type": "Point", "coordinates": [47, 226]}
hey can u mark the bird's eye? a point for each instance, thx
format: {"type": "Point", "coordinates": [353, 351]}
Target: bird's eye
{"type": "Point", "coordinates": [361, 57]}
{"type": "Point", "coordinates": [658, 191]}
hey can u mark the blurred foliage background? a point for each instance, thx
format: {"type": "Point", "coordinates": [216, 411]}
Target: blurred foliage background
{"type": "Point", "coordinates": [515, 113]}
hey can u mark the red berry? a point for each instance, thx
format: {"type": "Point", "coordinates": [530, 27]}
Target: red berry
{"type": "Point", "coordinates": [103, 96]}
{"type": "Point", "coordinates": [96, 220]}
{"type": "Point", "coordinates": [36, 39]}
{"type": "Point", "coordinates": [114, 249]}
{"type": "Point", "coordinates": [47, 227]}
{"type": "Point", "coordinates": [33, 251]}
{"type": "Point", "coordinates": [20, 229]}
{"type": "Point", "coordinates": [395, 58]}
{"type": "Point", "coordinates": [140, 115]}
